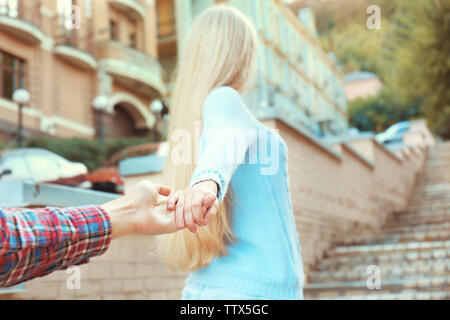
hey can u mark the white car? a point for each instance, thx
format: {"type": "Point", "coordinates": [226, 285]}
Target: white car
{"type": "Point", "coordinates": [394, 134]}
{"type": "Point", "coordinates": [42, 166]}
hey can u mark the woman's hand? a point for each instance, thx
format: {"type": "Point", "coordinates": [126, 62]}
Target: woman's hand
{"type": "Point", "coordinates": [194, 206]}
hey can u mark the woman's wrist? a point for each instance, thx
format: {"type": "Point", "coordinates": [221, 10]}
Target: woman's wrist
{"type": "Point", "coordinates": [208, 185]}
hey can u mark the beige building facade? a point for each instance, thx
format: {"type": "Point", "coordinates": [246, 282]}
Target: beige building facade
{"type": "Point", "coordinates": [66, 53]}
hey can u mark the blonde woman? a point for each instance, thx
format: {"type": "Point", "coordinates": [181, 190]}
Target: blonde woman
{"type": "Point", "coordinates": [246, 245]}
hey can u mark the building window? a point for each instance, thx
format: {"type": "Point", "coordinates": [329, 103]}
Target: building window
{"type": "Point", "coordinates": [12, 74]}
{"type": "Point", "coordinates": [113, 30]}
{"type": "Point", "coordinates": [133, 40]}
{"type": "Point", "coordinates": [166, 18]}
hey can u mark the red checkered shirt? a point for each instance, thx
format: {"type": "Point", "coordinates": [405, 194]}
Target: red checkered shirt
{"type": "Point", "coordinates": [36, 242]}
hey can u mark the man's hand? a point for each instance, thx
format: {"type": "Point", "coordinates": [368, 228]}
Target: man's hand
{"type": "Point", "coordinates": [141, 211]}
{"type": "Point", "coordinates": [194, 206]}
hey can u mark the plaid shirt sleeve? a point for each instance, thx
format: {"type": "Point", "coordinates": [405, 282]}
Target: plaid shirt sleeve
{"type": "Point", "coordinates": [36, 242]}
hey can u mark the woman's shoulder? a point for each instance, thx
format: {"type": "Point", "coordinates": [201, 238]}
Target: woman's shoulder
{"type": "Point", "coordinates": [224, 94]}
{"type": "Point", "coordinates": [223, 100]}
{"type": "Point", "coordinates": [226, 103]}
{"type": "Point", "coordinates": [225, 90]}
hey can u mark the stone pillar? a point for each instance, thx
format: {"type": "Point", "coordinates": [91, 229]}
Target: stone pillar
{"type": "Point", "coordinates": [100, 13]}
{"type": "Point", "coordinates": [150, 30]}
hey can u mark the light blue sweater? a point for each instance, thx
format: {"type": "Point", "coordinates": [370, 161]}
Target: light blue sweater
{"type": "Point", "coordinates": [266, 259]}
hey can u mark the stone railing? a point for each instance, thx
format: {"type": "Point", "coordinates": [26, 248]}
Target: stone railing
{"type": "Point", "coordinates": [80, 39]}
{"type": "Point", "coordinates": [28, 11]}
{"type": "Point", "coordinates": [117, 51]}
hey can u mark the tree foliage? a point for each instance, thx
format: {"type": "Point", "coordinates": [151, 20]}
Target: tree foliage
{"type": "Point", "coordinates": [410, 54]}
{"type": "Point", "coordinates": [379, 112]}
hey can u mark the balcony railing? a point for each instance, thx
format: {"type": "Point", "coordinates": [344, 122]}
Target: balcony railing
{"type": "Point", "coordinates": [118, 51]}
{"type": "Point", "coordinates": [76, 46]}
{"type": "Point", "coordinates": [133, 8]}
{"type": "Point", "coordinates": [22, 19]}
{"type": "Point", "coordinates": [130, 63]}
{"type": "Point", "coordinates": [25, 10]}
{"type": "Point", "coordinates": [80, 39]}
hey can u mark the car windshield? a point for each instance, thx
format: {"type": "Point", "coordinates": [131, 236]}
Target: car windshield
{"type": "Point", "coordinates": [16, 164]}
{"type": "Point", "coordinates": [397, 128]}
{"type": "Point", "coordinates": [58, 158]}
{"type": "Point", "coordinates": [41, 163]}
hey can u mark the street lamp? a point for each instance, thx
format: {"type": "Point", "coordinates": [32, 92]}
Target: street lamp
{"type": "Point", "coordinates": [100, 104]}
{"type": "Point", "coordinates": [157, 107]}
{"type": "Point", "coordinates": [22, 98]}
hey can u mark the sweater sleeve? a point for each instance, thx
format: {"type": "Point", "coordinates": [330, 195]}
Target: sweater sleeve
{"type": "Point", "coordinates": [228, 132]}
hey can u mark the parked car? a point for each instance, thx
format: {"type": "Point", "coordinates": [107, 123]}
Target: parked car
{"type": "Point", "coordinates": [394, 134]}
{"type": "Point", "coordinates": [107, 178]}
{"type": "Point", "coordinates": [42, 166]}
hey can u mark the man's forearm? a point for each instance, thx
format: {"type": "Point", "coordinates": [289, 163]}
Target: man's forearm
{"type": "Point", "coordinates": [36, 242]}
{"type": "Point", "coordinates": [67, 236]}
{"type": "Point", "coordinates": [70, 236]}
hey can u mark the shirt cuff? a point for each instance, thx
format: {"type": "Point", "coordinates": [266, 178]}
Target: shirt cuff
{"type": "Point", "coordinates": [94, 233]}
{"type": "Point", "coordinates": [215, 176]}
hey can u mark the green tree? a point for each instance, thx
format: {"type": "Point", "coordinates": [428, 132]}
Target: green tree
{"type": "Point", "coordinates": [379, 112]}
{"type": "Point", "coordinates": [432, 58]}
{"type": "Point", "coordinates": [410, 54]}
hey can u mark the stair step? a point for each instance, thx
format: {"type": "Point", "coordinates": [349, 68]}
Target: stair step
{"type": "Point", "coordinates": [336, 263]}
{"type": "Point", "coordinates": [427, 235]}
{"type": "Point", "coordinates": [425, 200]}
{"type": "Point", "coordinates": [419, 214]}
{"type": "Point", "coordinates": [425, 191]}
{"type": "Point", "coordinates": [436, 208]}
{"type": "Point", "coordinates": [361, 249]}
{"type": "Point", "coordinates": [404, 295]}
{"type": "Point", "coordinates": [407, 229]}
{"type": "Point", "coordinates": [426, 284]}
{"type": "Point", "coordinates": [417, 220]}
{"type": "Point", "coordinates": [389, 271]}
{"type": "Point", "coordinates": [444, 200]}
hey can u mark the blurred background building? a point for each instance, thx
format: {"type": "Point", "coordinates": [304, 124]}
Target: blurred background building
{"type": "Point", "coordinates": [297, 81]}
{"type": "Point", "coordinates": [67, 53]}
{"type": "Point", "coordinates": [362, 84]}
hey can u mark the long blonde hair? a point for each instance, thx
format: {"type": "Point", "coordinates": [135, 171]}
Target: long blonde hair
{"type": "Point", "coordinates": [220, 50]}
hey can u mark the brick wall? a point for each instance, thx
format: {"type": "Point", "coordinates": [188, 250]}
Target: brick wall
{"type": "Point", "coordinates": [338, 192]}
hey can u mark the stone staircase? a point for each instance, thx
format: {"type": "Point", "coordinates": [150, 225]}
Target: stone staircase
{"type": "Point", "coordinates": [412, 254]}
